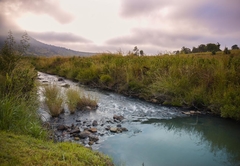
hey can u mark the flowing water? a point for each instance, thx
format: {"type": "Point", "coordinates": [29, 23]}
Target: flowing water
{"type": "Point", "coordinates": [157, 136]}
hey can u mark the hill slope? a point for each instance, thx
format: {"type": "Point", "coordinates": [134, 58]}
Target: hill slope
{"type": "Point", "coordinates": [38, 48]}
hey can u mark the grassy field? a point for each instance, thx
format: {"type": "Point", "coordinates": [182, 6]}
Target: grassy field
{"type": "Point", "coordinates": [24, 150]}
{"type": "Point", "coordinates": [197, 81]}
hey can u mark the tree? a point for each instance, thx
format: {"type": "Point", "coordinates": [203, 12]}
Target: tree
{"type": "Point", "coordinates": [235, 47]}
{"type": "Point", "coordinates": [195, 50]}
{"type": "Point", "coordinates": [141, 52]}
{"type": "Point", "coordinates": [7, 54]}
{"type": "Point", "coordinates": [226, 51]}
{"type": "Point", "coordinates": [176, 52]}
{"type": "Point", "coordinates": [211, 47]}
{"type": "Point", "coordinates": [202, 48]}
{"type": "Point", "coordinates": [24, 44]}
{"type": "Point", "coordinates": [17, 75]}
{"type": "Point", "coordinates": [135, 51]}
{"type": "Point", "coordinates": [185, 50]}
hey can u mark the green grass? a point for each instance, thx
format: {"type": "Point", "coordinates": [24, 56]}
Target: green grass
{"type": "Point", "coordinates": [200, 81]}
{"type": "Point", "coordinates": [19, 116]}
{"type": "Point", "coordinates": [23, 150]}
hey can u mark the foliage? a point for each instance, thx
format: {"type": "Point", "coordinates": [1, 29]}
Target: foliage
{"type": "Point", "coordinates": [235, 47]}
{"type": "Point", "coordinates": [199, 81]}
{"type": "Point", "coordinates": [17, 91]}
{"type": "Point", "coordinates": [19, 116]}
{"type": "Point", "coordinates": [21, 150]}
{"type": "Point", "coordinates": [53, 99]}
{"type": "Point", "coordinates": [226, 51]}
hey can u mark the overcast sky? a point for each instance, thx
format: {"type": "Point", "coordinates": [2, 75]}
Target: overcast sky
{"type": "Point", "coordinates": [113, 25]}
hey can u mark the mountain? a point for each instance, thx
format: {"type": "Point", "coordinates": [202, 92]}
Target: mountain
{"type": "Point", "coordinates": [38, 48]}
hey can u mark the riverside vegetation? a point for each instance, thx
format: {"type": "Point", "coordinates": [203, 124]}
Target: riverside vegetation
{"type": "Point", "coordinates": [198, 81]}
{"type": "Point", "coordinates": [75, 100]}
{"type": "Point", "coordinates": [23, 140]}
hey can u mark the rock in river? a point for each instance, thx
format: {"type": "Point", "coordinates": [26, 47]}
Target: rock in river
{"type": "Point", "coordinates": [84, 134]}
{"type": "Point", "coordinates": [119, 118]}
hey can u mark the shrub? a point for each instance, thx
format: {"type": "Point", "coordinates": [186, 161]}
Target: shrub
{"type": "Point", "coordinates": [53, 99]}
{"type": "Point", "coordinates": [105, 78]}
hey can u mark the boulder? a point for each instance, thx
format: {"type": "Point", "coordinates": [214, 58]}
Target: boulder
{"type": "Point", "coordinates": [124, 129]}
{"type": "Point", "coordinates": [84, 134]}
{"type": "Point", "coordinates": [75, 131]}
{"type": "Point", "coordinates": [76, 138]}
{"type": "Point", "coordinates": [114, 129]}
{"type": "Point", "coordinates": [90, 143]}
{"type": "Point", "coordinates": [93, 138]}
{"type": "Point", "coordinates": [107, 128]}
{"type": "Point", "coordinates": [93, 130]}
{"type": "Point", "coordinates": [192, 112]}
{"type": "Point", "coordinates": [88, 108]}
{"type": "Point", "coordinates": [60, 79]}
{"type": "Point", "coordinates": [119, 118]}
{"type": "Point", "coordinates": [186, 113]}
{"type": "Point", "coordinates": [62, 127]}
{"type": "Point", "coordinates": [94, 123]}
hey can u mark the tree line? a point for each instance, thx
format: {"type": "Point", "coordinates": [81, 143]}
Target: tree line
{"type": "Point", "coordinates": [210, 47]}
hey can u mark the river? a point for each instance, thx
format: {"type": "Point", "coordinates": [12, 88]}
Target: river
{"type": "Point", "coordinates": [157, 135]}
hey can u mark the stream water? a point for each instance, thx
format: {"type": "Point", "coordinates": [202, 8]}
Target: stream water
{"type": "Point", "coordinates": [156, 136]}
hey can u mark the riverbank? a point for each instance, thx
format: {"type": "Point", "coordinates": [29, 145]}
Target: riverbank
{"type": "Point", "coordinates": [204, 83]}
{"type": "Point", "coordinates": [24, 150]}
{"type": "Point", "coordinates": [23, 139]}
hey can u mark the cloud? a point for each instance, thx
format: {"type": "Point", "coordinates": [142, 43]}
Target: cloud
{"type": "Point", "coordinates": [181, 23]}
{"type": "Point", "coordinates": [135, 8]}
{"type": "Point", "coordinates": [153, 37]}
{"type": "Point", "coordinates": [60, 37]}
{"type": "Point", "coordinates": [217, 15]}
{"type": "Point", "coordinates": [14, 8]}
{"type": "Point", "coordinates": [155, 40]}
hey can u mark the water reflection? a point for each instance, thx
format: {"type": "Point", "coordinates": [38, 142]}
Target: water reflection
{"type": "Point", "coordinates": [216, 134]}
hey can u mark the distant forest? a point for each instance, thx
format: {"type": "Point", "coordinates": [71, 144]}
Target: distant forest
{"type": "Point", "coordinates": [210, 47]}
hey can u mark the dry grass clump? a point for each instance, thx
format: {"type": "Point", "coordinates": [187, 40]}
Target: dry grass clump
{"type": "Point", "coordinates": [87, 102]}
{"type": "Point", "coordinates": [73, 97]}
{"type": "Point", "coordinates": [77, 100]}
{"type": "Point", "coordinates": [53, 99]}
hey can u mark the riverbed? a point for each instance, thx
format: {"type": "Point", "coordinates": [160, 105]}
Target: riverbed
{"type": "Point", "coordinates": [155, 135]}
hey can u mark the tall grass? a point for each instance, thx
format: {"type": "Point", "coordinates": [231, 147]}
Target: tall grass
{"type": "Point", "coordinates": [20, 116]}
{"type": "Point", "coordinates": [87, 102]}
{"type": "Point", "coordinates": [73, 97]}
{"type": "Point", "coordinates": [201, 81]}
{"type": "Point", "coordinates": [53, 99]}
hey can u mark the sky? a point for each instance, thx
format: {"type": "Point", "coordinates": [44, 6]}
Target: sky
{"type": "Point", "coordinates": [154, 26]}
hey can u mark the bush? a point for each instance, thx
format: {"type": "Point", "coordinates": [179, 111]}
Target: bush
{"type": "Point", "coordinates": [105, 79]}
